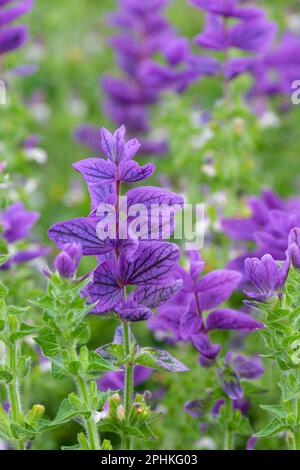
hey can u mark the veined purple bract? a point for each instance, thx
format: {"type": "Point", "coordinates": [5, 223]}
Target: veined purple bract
{"type": "Point", "coordinates": [126, 259]}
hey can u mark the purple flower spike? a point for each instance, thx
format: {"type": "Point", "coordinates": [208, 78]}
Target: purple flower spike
{"type": "Point", "coordinates": [152, 58]}
{"type": "Point", "coordinates": [127, 256]}
{"type": "Point", "coordinates": [266, 275]}
{"type": "Point", "coordinates": [268, 228]}
{"type": "Point", "coordinates": [250, 32]}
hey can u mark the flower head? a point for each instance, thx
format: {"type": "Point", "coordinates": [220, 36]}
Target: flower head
{"type": "Point", "coordinates": [67, 262]}
{"type": "Point", "coordinates": [128, 254]}
{"type": "Point", "coordinates": [266, 275]}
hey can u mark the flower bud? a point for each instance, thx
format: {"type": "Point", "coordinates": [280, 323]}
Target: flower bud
{"type": "Point", "coordinates": [121, 413]}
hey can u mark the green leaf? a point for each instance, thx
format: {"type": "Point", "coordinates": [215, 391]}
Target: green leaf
{"type": "Point", "coordinates": [24, 330]}
{"type": "Point", "coordinates": [142, 432]}
{"type": "Point", "coordinates": [275, 410]}
{"type": "Point", "coordinates": [65, 414]}
{"type": "Point", "coordinates": [106, 445]}
{"type": "Point", "coordinates": [113, 352]}
{"type": "Point", "coordinates": [290, 385]}
{"type": "Point", "coordinates": [98, 364]}
{"type": "Point", "coordinates": [82, 333]}
{"type": "Point", "coordinates": [160, 360]}
{"type": "Point", "coordinates": [23, 366]}
{"type": "Point", "coordinates": [3, 289]}
{"type": "Point", "coordinates": [58, 370]}
{"type": "Point", "coordinates": [274, 427]}
{"type": "Point", "coordinates": [48, 342]}
{"type": "Point", "coordinates": [3, 259]}
{"type": "Point", "coordinates": [5, 375]}
{"type": "Point", "coordinates": [5, 432]}
{"type": "Point", "coordinates": [74, 367]}
{"type": "Point", "coordinates": [25, 431]}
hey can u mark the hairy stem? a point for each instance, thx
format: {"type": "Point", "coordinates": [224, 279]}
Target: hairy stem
{"type": "Point", "coordinates": [84, 392]}
{"type": "Point", "coordinates": [90, 425]}
{"type": "Point", "coordinates": [13, 391]}
{"type": "Point", "coordinates": [128, 383]}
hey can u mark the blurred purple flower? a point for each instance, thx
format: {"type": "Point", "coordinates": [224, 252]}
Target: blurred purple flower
{"type": "Point", "coordinates": [12, 37]}
{"type": "Point", "coordinates": [143, 34]}
{"type": "Point", "coordinates": [251, 443]}
{"type": "Point", "coordinates": [267, 228]}
{"type": "Point", "coordinates": [16, 223]}
{"type": "Point", "coordinates": [183, 314]}
{"type": "Point", "coordinates": [115, 380]}
{"type": "Point", "coordinates": [250, 32]}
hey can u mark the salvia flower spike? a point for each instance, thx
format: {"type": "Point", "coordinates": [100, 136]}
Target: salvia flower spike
{"type": "Point", "coordinates": [128, 256]}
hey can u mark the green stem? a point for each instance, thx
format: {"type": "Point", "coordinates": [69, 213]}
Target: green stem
{"type": "Point", "coordinates": [128, 384]}
{"type": "Point", "coordinates": [13, 391]}
{"type": "Point", "coordinates": [228, 435]}
{"type": "Point", "coordinates": [90, 425]}
{"type": "Point", "coordinates": [228, 440]}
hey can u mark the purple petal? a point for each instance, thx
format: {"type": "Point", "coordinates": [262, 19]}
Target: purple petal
{"type": "Point", "coordinates": [254, 36]}
{"type": "Point", "coordinates": [83, 231]}
{"type": "Point", "coordinates": [153, 296]}
{"type": "Point", "coordinates": [12, 38]}
{"type": "Point", "coordinates": [8, 15]}
{"type": "Point", "coordinates": [190, 321]}
{"type": "Point", "coordinates": [113, 145]}
{"type": "Point", "coordinates": [104, 289]}
{"type": "Point", "coordinates": [154, 262]}
{"type": "Point", "coordinates": [89, 136]}
{"type": "Point", "coordinates": [65, 265]}
{"type": "Point", "coordinates": [132, 311]}
{"type": "Point", "coordinates": [132, 172]}
{"type": "Point", "coordinates": [96, 170]}
{"type": "Point", "coordinates": [247, 367]}
{"type": "Point", "coordinates": [228, 319]}
{"type": "Point", "coordinates": [203, 345]}
{"type": "Point", "coordinates": [216, 287]}
{"type": "Point", "coordinates": [151, 195]}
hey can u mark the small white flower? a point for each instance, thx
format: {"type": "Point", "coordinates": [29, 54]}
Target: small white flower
{"type": "Point", "coordinates": [269, 119]}
{"type": "Point", "coordinates": [206, 443]}
{"type": "Point", "coordinates": [37, 155]}
{"type": "Point", "coordinates": [98, 415]}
